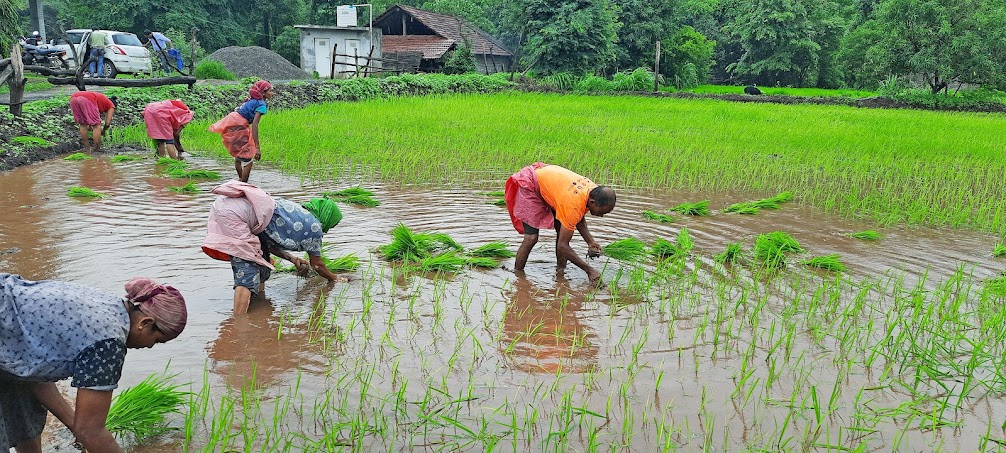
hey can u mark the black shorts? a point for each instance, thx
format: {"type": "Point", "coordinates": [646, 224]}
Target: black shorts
{"type": "Point", "coordinates": [528, 229]}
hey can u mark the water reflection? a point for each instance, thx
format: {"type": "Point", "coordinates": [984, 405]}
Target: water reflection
{"type": "Point", "coordinates": [543, 331]}
{"type": "Point", "coordinates": [28, 245]}
{"type": "Point", "coordinates": [99, 175]}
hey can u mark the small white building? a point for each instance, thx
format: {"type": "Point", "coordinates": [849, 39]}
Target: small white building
{"type": "Point", "coordinates": [344, 49]}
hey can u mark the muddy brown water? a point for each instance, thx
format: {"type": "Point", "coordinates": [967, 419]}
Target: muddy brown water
{"type": "Point", "coordinates": [143, 230]}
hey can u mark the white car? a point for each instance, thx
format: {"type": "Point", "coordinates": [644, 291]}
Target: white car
{"type": "Point", "coordinates": [126, 54]}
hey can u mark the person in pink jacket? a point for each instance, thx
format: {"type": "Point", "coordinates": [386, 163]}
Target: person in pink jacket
{"type": "Point", "coordinates": [165, 121]}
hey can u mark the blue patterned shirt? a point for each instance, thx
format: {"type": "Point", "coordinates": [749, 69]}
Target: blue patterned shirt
{"type": "Point", "coordinates": [294, 228]}
{"type": "Point", "coordinates": [52, 330]}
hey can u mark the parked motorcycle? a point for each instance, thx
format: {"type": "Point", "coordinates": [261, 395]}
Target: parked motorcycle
{"type": "Point", "coordinates": [46, 57]}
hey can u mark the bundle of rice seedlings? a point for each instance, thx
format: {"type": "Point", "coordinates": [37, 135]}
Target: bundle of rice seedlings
{"type": "Point", "coordinates": [188, 188]}
{"type": "Point", "coordinates": [484, 262]}
{"type": "Point", "coordinates": [125, 158]}
{"type": "Point", "coordinates": [354, 195]}
{"type": "Point", "coordinates": [498, 193]}
{"type": "Point", "coordinates": [405, 245]}
{"type": "Point", "coordinates": [685, 240]}
{"type": "Point", "coordinates": [664, 218]}
{"type": "Point", "coordinates": [746, 207]}
{"type": "Point", "coordinates": [345, 263]}
{"type": "Point", "coordinates": [77, 156]}
{"type": "Point", "coordinates": [500, 202]}
{"type": "Point", "coordinates": [700, 208]}
{"type": "Point", "coordinates": [766, 203]}
{"type": "Point", "coordinates": [731, 255]}
{"type": "Point", "coordinates": [784, 241]}
{"type": "Point", "coordinates": [768, 254]}
{"type": "Point", "coordinates": [171, 162]}
{"type": "Point", "coordinates": [444, 241]}
{"type": "Point", "coordinates": [995, 287]}
{"type": "Point", "coordinates": [662, 249]}
{"type": "Point", "coordinates": [782, 197]}
{"type": "Point", "coordinates": [77, 191]}
{"type": "Point", "coordinates": [444, 262]}
{"type": "Point", "coordinates": [495, 249]}
{"type": "Point", "coordinates": [140, 410]}
{"type": "Point", "coordinates": [868, 235]}
{"type": "Point", "coordinates": [362, 200]}
{"type": "Point", "coordinates": [999, 251]}
{"type": "Point", "coordinates": [826, 262]}
{"type": "Point", "coordinates": [181, 172]}
{"type": "Point", "coordinates": [626, 249]}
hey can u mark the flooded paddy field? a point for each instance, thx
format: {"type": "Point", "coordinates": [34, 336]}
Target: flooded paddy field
{"type": "Point", "coordinates": [903, 351]}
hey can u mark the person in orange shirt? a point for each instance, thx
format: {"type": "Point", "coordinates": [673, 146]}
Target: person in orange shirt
{"type": "Point", "coordinates": [542, 196]}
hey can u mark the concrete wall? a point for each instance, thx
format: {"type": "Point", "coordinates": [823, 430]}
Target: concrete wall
{"type": "Point", "coordinates": [315, 39]}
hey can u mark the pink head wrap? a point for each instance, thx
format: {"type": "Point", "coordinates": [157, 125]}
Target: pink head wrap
{"type": "Point", "coordinates": [163, 303]}
{"type": "Point", "coordinates": [257, 88]}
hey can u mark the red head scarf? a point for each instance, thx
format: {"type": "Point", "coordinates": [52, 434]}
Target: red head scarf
{"type": "Point", "coordinates": [163, 303]}
{"type": "Point", "coordinates": [258, 88]}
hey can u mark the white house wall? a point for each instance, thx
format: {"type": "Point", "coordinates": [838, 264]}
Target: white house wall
{"type": "Point", "coordinates": [342, 38]}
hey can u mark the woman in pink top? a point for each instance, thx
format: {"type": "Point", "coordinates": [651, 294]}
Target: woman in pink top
{"type": "Point", "coordinates": [165, 121]}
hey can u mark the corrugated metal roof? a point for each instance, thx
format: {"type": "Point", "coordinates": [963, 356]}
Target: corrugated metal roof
{"type": "Point", "coordinates": [432, 46]}
{"type": "Point", "coordinates": [454, 29]}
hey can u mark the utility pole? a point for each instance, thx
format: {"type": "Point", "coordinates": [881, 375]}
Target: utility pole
{"type": "Point", "coordinates": [37, 11]}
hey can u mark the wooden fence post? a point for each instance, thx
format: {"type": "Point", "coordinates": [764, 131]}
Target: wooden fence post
{"type": "Point", "coordinates": [17, 80]}
{"type": "Point", "coordinates": [656, 70]}
{"type": "Point", "coordinates": [356, 61]}
{"type": "Point", "coordinates": [331, 73]}
{"type": "Point", "coordinates": [192, 59]}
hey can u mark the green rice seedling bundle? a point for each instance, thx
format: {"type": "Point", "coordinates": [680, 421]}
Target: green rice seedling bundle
{"type": "Point", "coordinates": [826, 262]}
{"type": "Point", "coordinates": [444, 262]}
{"type": "Point", "coordinates": [700, 208]}
{"type": "Point", "coordinates": [498, 193]}
{"type": "Point", "coordinates": [484, 262]}
{"type": "Point", "coordinates": [663, 218]}
{"type": "Point", "coordinates": [784, 241]}
{"type": "Point", "coordinates": [77, 156]}
{"type": "Point", "coordinates": [495, 249]}
{"type": "Point", "coordinates": [731, 255]}
{"type": "Point", "coordinates": [140, 411]}
{"type": "Point", "coordinates": [176, 172]}
{"type": "Point", "coordinates": [685, 241]}
{"type": "Point", "coordinates": [500, 202]}
{"type": "Point", "coordinates": [995, 287]}
{"type": "Point", "coordinates": [406, 245]}
{"type": "Point", "coordinates": [782, 197]}
{"type": "Point", "coordinates": [125, 158]}
{"type": "Point", "coordinates": [83, 192]}
{"type": "Point", "coordinates": [171, 162]}
{"type": "Point", "coordinates": [999, 251]}
{"type": "Point", "coordinates": [868, 235]}
{"type": "Point", "coordinates": [765, 203]}
{"type": "Point", "coordinates": [345, 263]}
{"type": "Point", "coordinates": [768, 253]}
{"type": "Point", "coordinates": [362, 200]}
{"type": "Point", "coordinates": [625, 249]}
{"type": "Point", "coordinates": [188, 188]}
{"type": "Point", "coordinates": [663, 249]}
{"type": "Point", "coordinates": [444, 241]}
{"type": "Point", "coordinates": [350, 192]}
{"type": "Point", "coordinates": [747, 208]}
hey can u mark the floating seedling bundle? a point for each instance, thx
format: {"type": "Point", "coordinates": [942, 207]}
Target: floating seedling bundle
{"type": "Point", "coordinates": [495, 249]}
{"type": "Point", "coordinates": [83, 192]}
{"type": "Point", "coordinates": [770, 248]}
{"type": "Point", "coordinates": [125, 158]}
{"type": "Point", "coordinates": [826, 262]}
{"type": "Point", "coordinates": [658, 217]}
{"type": "Point", "coordinates": [731, 255]}
{"type": "Point", "coordinates": [77, 156]}
{"type": "Point", "coordinates": [354, 195]}
{"type": "Point", "coordinates": [408, 246]}
{"type": "Point", "coordinates": [499, 194]}
{"type": "Point", "coordinates": [752, 207]}
{"type": "Point", "coordinates": [345, 263]}
{"type": "Point", "coordinates": [700, 208]}
{"type": "Point", "coordinates": [999, 251]}
{"type": "Point", "coordinates": [140, 411]}
{"type": "Point", "coordinates": [625, 249]}
{"type": "Point", "coordinates": [179, 169]}
{"type": "Point", "coordinates": [868, 235]}
{"type": "Point", "coordinates": [187, 188]}
{"type": "Point", "coordinates": [664, 249]}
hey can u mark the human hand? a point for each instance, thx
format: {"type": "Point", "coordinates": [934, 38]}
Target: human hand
{"type": "Point", "coordinates": [104, 130]}
{"type": "Point", "coordinates": [595, 278]}
{"type": "Point", "coordinates": [593, 250]}
{"type": "Point", "coordinates": [258, 156]}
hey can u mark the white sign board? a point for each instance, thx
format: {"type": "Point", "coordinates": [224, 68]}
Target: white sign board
{"type": "Point", "coordinates": [345, 16]}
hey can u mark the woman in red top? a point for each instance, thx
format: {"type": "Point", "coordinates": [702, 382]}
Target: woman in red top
{"type": "Point", "coordinates": [87, 107]}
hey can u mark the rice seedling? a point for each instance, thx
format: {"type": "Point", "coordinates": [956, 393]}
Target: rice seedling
{"type": "Point", "coordinates": [782, 197]}
{"type": "Point", "coordinates": [663, 249]}
{"type": "Point", "coordinates": [171, 162]}
{"type": "Point", "coordinates": [784, 241]}
{"type": "Point", "coordinates": [354, 195]}
{"type": "Point", "coordinates": [733, 253]}
{"type": "Point", "coordinates": [345, 263]}
{"type": "Point", "coordinates": [868, 235]}
{"type": "Point", "coordinates": [84, 192]}
{"type": "Point", "coordinates": [187, 188]}
{"type": "Point", "coordinates": [500, 202]}
{"type": "Point", "coordinates": [699, 208]}
{"type": "Point", "coordinates": [125, 158]}
{"type": "Point", "coordinates": [747, 208]}
{"type": "Point", "coordinates": [444, 242]}
{"type": "Point", "coordinates": [495, 249]}
{"type": "Point", "coordinates": [685, 241]}
{"type": "Point", "coordinates": [497, 193]}
{"type": "Point", "coordinates": [140, 411]}
{"type": "Point", "coordinates": [444, 262]}
{"type": "Point", "coordinates": [362, 200]}
{"type": "Point", "coordinates": [406, 246]}
{"type": "Point", "coordinates": [999, 250]}
{"type": "Point", "coordinates": [181, 172]}
{"type": "Point", "coordinates": [826, 262]}
{"type": "Point", "coordinates": [664, 218]}
{"type": "Point", "coordinates": [768, 253]}
{"type": "Point", "coordinates": [765, 203]}
{"type": "Point", "coordinates": [625, 249]}
{"type": "Point", "coordinates": [484, 262]}
{"type": "Point", "coordinates": [77, 156]}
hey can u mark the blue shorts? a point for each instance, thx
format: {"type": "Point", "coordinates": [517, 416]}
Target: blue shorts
{"type": "Point", "coordinates": [249, 274]}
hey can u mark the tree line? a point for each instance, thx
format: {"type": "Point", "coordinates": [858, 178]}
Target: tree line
{"type": "Point", "coordinates": [800, 43]}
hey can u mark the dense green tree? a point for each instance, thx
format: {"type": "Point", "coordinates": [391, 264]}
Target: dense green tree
{"type": "Point", "coordinates": [8, 26]}
{"type": "Point", "coordinates": [647, 21]}
{"type": "Point", "coordinates": [575, 36]}
{"type": "Point", "coordinates": [287, 44]}
{"type": "Point", "coordinates": [687, 57]}
{"type": "Point", "coordinates": [460, 60]}
{"type": "Point", "coordinates": [943, 42]}
{"type": "Point", "coordinates": [861, 61]}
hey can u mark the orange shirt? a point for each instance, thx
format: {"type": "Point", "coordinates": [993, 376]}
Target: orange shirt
{"type": "Point", "coordinates": [565, 192]}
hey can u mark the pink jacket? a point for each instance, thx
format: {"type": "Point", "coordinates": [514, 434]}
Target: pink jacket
{"type": "Point", "coordinates": [237, 216]}
{"type": "Point", "coordinates": [163, 118]}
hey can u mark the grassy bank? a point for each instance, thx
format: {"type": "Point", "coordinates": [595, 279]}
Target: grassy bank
{"type": "Point", "coordinates": [780, 91]}
{"type": "Point", "coordinates": [892, 165]}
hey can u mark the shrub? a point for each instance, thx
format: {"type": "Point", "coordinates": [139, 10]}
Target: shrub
{"type": "Point", "coordinates": [212, 69]}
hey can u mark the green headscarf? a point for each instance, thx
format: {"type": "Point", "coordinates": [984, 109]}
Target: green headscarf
{"type": "Point", "coordinates": [326, 211]}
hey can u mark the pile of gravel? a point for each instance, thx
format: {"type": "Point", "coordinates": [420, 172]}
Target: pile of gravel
{"type": "Point", "coordinates": [258, 62]}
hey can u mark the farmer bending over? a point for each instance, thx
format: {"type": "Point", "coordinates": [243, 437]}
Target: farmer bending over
{"type": "Point", "coordinates": [247, 225]}
{"type": "Point", "coordinates": [239, 129]}
{"type": "Point", "coordinates": [165, 121]}
{"type": "Point", "coordinates": [87, 107]}
{"type": "Point", "coordinates": [542, 196]}
{"type": "Point", "coordinates": [53, 330]}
